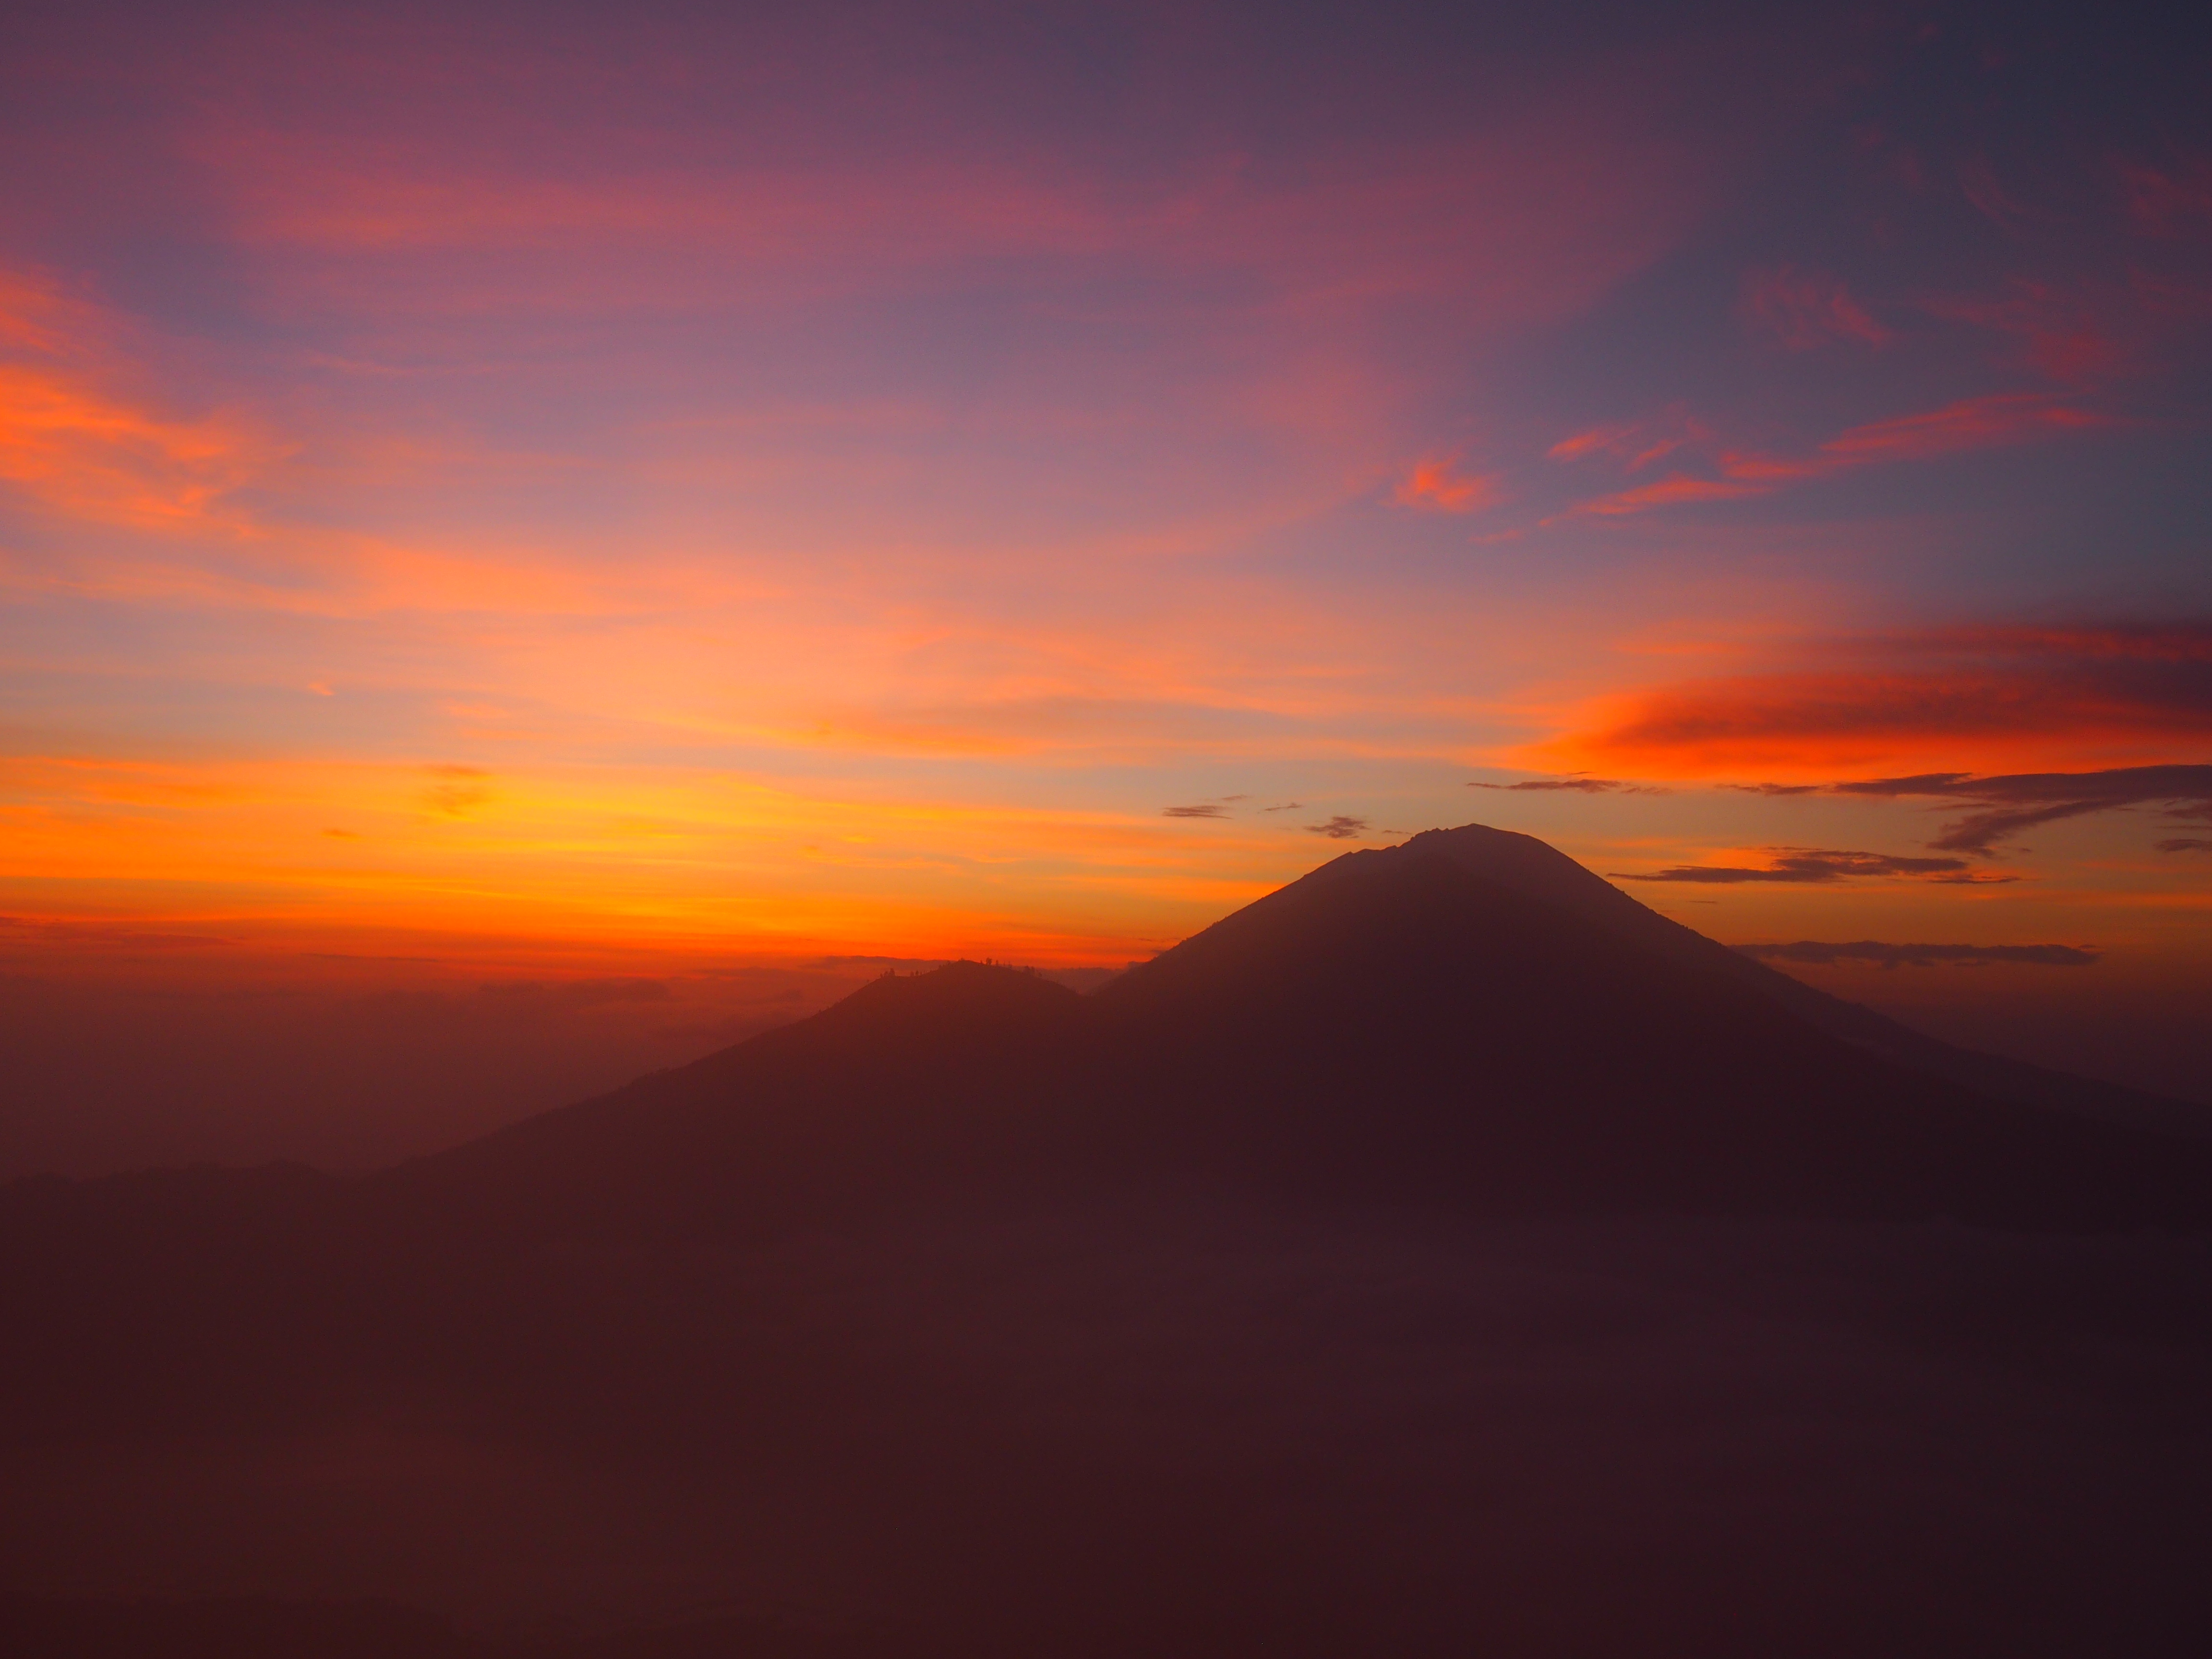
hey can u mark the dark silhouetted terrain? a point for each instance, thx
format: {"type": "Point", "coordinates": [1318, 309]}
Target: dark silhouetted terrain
{"type": "Point", "coordinates": [1444, 1254]}
{"type": "Point", "coordinates": [1470, 1020]}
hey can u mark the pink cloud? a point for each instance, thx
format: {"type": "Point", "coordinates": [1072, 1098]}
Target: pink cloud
{"type": "Point", "coordinates": [1808, 309]}
{"type": "Point", "coordinates": [1531, 221]}
{"type": "Point", "coordinates": [2169, 201]}
{"type": "Point", "coordinates": [1636, 444]}
{"type": "Point", "coordinates": [1668, 492]}
{"type": "Point", "coordinates": [1438, 485]}
{"type": "Point", "coordinates": [1594, 441]}
{"type": "Point", "coordinates": [1979, 182]}
{"type": "Point", "coordinates": [80, 434]}
{"type": "Point", "coordinates": [1971, 424]}
{"type": "Point", "coordinates": [1981, 696]}
{"type": "Point", "coordinates": [2060, 337]}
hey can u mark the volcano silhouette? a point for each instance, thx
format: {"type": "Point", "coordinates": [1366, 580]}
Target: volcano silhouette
{"type": "Point", "coordinates": [1470, 1019]}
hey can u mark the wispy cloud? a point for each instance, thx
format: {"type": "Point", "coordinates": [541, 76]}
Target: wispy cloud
{"type": "Point", "coordinates": [1922, 955]}
{"type": "Point", "coordinates": [2010, 804]}
{"type": "Point", "coordinates": [1634, 445]}
{"type": "Point", "coordinates": [2172, 198]}
{"type": "Point", "coordinates": [457, 791]}
{"type": "Point", "coordinates": [1974, 692]}
{"type": "Point", "coordinates": [2059, 334]}
{"type": "Point", "coordinates": [1340, 827]}
{"type": "Point", "coordinates": [1440, 485]}
{"type": "Point", "coordinates": [76, 438]}
{"type": "Point", "coordinates": [2013, 804]}
{"type": "Point", "coordinates": [1669, 492]}
{"type": "Point", "coordinates": [1580, 786]}
{"type": "Point", "coordinates": [1974, 424]}
{"type": "Point", "coordinates": [1805, 867]}
{"type": "Point", "coordinates": [1595, 441]}
{"type": "Point", "coordinates": [1808, 309]}
{"type": "Point", "coordinates": [1969, 424]}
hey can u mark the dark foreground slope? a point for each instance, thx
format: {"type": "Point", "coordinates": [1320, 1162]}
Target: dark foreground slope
{"type": "Point", "coordinates": [1435, 1257]}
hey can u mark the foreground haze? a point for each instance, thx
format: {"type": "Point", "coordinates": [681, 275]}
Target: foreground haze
{"type": "Point", "coordinates": [531, 537]}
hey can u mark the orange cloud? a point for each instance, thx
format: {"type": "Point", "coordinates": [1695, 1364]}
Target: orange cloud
{"type": "Point", "coordinates": [1984, 698]}
{"type": "Point", "coordinates": [80, 448]}
{"type": "Point", "coordinates": [458, 791]}
{"type": "Point", "coordinates": [1436, 485]}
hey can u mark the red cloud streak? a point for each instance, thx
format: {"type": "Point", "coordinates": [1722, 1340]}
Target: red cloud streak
{"type": "Point", "coordinates": [1967, 697]}
{"type": "Point", "coordinates": [1808, 309]}
{"type": "Point", "coordinates": [1438, 485]}
{"type": "Point", "coordinates": [1956, 429]}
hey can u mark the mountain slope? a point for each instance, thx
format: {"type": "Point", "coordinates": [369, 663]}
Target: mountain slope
{"type": "Point", "coordinates": [1399, 1020]}
{"type": "Point", "coordinates": [1531, 868]}
{"type": "Point", "coordinates": [931, 1084]}
{"type": "Point", "coordinates": [1470, 1020]}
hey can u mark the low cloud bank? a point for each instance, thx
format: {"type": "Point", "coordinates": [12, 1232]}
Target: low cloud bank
{"type": "Point", "coordinates": [1803, 865]}
{"type": "Point", "coordinates": [2007, 806]}
{"type": "Point", "coordinates": [1920, 956]}
{"type": "Point", "coordinates": [2086, 687]}
{"type": "Point", "coordinates": [1581, 786]}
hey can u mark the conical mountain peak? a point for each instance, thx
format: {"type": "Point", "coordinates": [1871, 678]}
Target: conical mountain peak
{"type": "Point", "coordinates": [1470, 1019]}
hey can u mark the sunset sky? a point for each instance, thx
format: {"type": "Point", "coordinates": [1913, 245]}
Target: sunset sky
{"type": "Point", "coordinates": [688, 496]}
